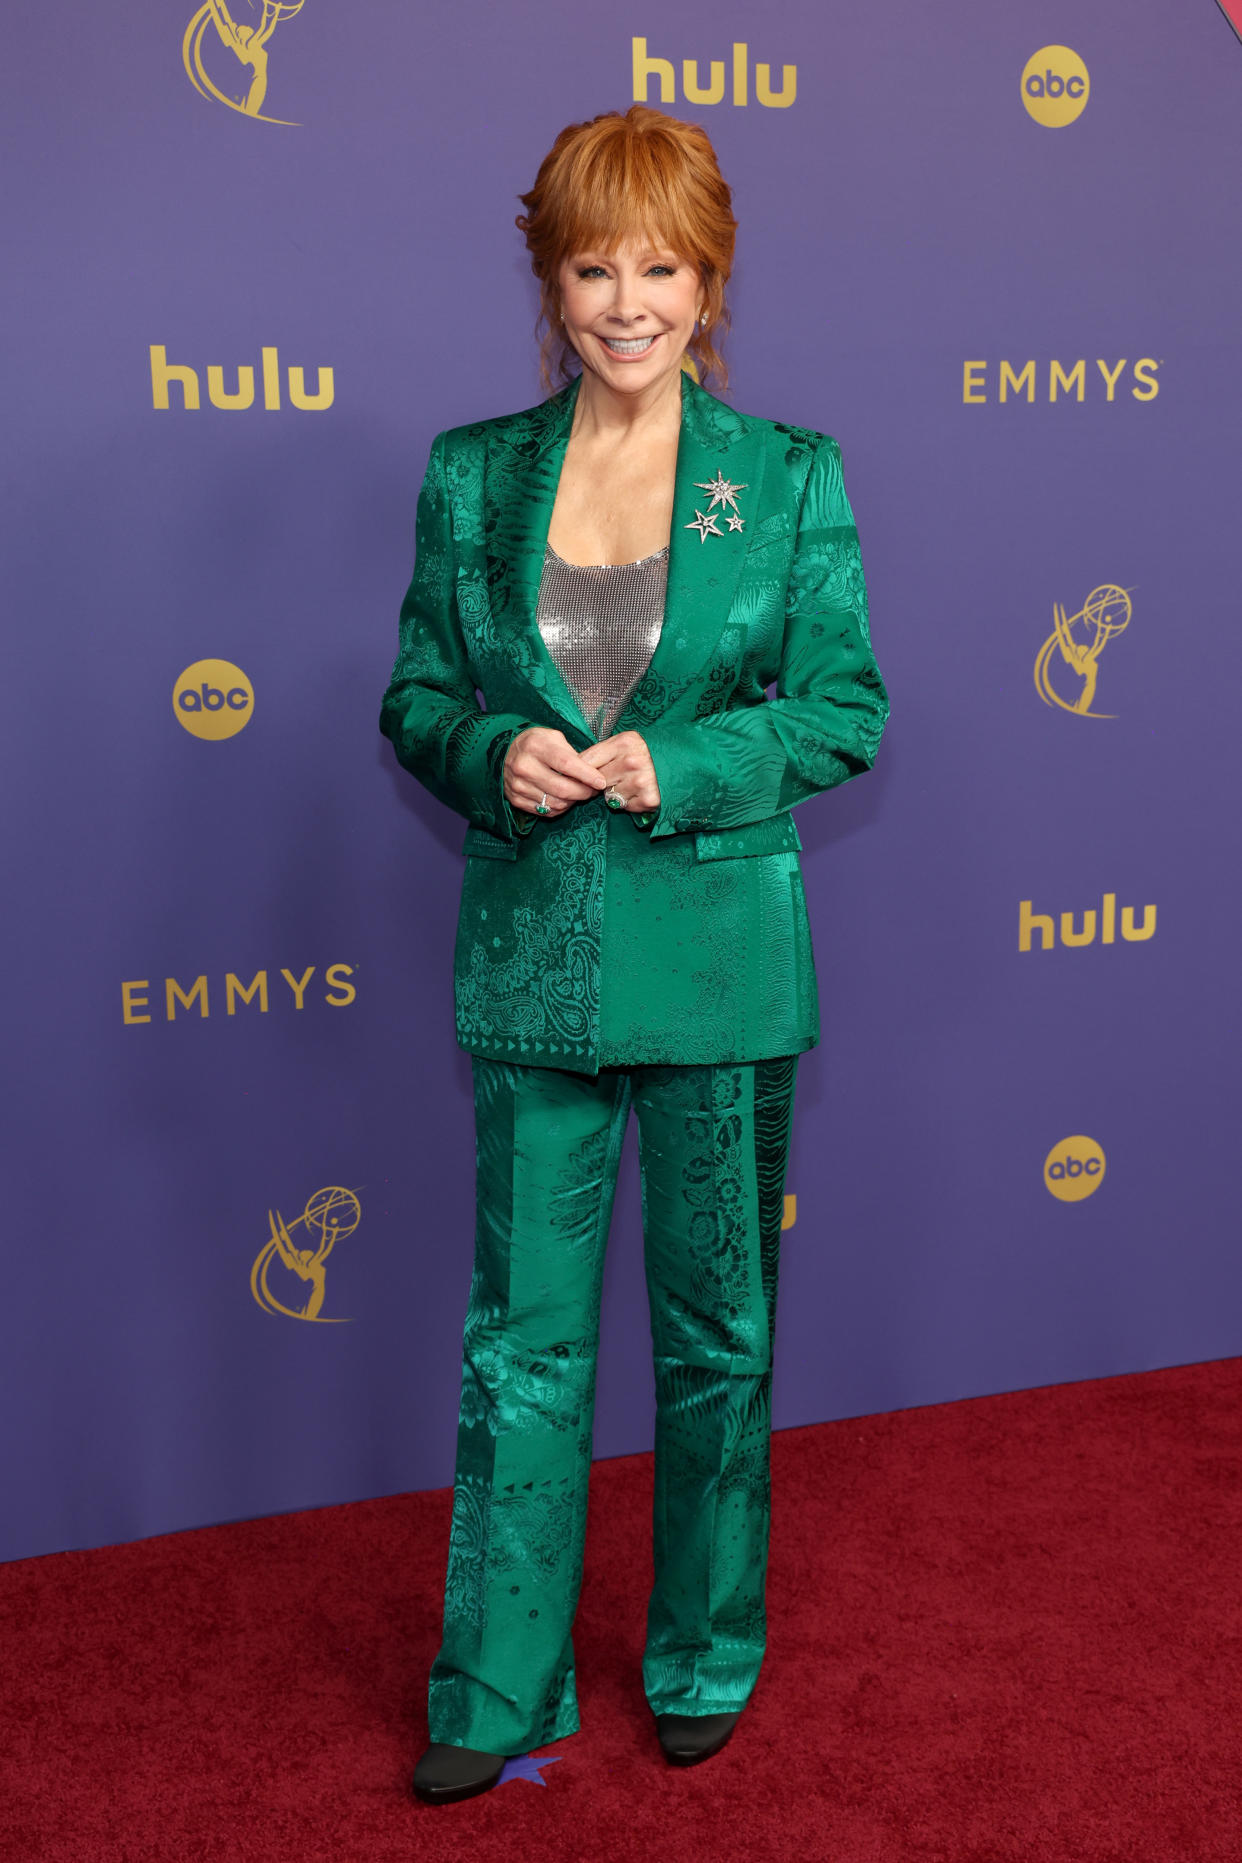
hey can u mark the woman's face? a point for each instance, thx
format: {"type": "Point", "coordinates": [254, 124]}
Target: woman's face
{"type": "Point", "coordinates": [630, 312]}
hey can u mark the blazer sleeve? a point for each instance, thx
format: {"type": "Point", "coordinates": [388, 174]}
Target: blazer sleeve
{"type": "Point", "coordinates": [431, 712]}
{"type": "Point", "coordinates": [831, 706]}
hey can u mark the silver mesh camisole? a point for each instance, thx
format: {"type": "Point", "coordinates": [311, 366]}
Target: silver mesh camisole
{"type": "Point", "coordinates": [600, 623]}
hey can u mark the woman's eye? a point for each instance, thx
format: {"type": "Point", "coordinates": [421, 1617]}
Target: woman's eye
{"type": "Point", "coordinates": [666, 270]}
{"type": "Point", "coordinates": [588, 271]}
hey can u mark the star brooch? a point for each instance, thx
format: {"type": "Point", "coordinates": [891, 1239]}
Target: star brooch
{"type": "Point", "coordinates": [723, 493]}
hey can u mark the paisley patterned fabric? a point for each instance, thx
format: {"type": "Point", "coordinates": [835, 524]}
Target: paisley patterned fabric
{"type": "Point", "coordinates": [713, 1145]}
{"type": "Point", "coordinates": [567, 923]}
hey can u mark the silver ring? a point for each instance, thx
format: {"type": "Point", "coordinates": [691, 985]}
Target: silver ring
{"type": "Point", "coordinates": [611, 797]}
{"type": "Point", "coordinates": [541, 807]}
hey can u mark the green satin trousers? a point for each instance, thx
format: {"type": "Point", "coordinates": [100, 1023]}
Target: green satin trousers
{"type": "Point", "coordinates": [713, 1146]}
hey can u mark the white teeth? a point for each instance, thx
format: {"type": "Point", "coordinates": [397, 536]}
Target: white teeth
{"type": "Point", "coordinates": [629, 346]}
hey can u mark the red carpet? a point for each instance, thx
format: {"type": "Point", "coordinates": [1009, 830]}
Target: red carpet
{"type": "Point", "coordinates": [1001, 1631]}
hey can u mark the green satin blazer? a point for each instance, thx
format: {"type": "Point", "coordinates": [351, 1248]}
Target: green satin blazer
{"type": "Point", "coordinates": [601, 938]}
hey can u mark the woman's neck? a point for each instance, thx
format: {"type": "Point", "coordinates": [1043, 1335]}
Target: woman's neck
{"type": "Point", "coordinates": [603, 413]}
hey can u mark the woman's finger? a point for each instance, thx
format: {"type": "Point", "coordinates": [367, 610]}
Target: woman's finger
{"type": "Point", "coordinates": [540, 749]}
{"type": "Point", "coordinates": [529, 800]}
{"type": "Point", "coordinates": [571, 763]}
{"type": "Point", "coordinates": [534, 766]}
{"type": "Point", "coordinates": [542, 776]}
{"type": "Point", "coordinates": [610, 767]}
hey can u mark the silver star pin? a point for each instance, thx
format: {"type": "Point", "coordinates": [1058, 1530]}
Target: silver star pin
{"type": "Point", "coordinates": [723, 491]}
{"type": "Point", "coordinates": [705, 524]}
{"type": "Point", "coordinates": [736, 522]}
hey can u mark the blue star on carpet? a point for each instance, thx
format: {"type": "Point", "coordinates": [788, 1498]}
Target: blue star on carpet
{"type": "Point", "coordinates": [526, 1766]}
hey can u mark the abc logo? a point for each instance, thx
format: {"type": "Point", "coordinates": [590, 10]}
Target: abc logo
{"type": "Point", "coordinates": [213, 698]}
{"type": "Point", "coordinates": [1055, 86]}
{"type": "Point", "coordinates": [1074, 1168]}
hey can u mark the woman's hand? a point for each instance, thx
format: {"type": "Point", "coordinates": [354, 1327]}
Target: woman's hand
{"type": "Point", "coordinates": [625, 763]}
{"type": "Point", "coordinates": [542, 765]}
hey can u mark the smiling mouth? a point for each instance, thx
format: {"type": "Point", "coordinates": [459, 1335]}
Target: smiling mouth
{"type": "Point", "coordinates": [627, 346]}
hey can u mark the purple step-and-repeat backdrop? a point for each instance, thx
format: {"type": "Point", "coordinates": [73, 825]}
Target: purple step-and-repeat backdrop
{"type": "Point", "coordinates": [257, 255]}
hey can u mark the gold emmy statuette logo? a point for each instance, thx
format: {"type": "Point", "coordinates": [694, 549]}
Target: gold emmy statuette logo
{"type": "Point", "coordinates": [329, 1214]}
{"type": "Point", "coordinates": [1055, 86]}
{"type": "Point", "coordinates": [789, 1214]}
{"type": "Point", "coordinates": [246, 43]}
{"type": "Point", "coordinates": [213, 699]}
{"type": "Point", "coordinates": [1074, 1169]}
{"type": "Point", "coordinates": [1104, 615]}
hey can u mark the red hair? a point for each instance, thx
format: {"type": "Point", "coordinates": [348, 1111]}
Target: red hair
{"type": "Point", "coordinates": [643, 175]}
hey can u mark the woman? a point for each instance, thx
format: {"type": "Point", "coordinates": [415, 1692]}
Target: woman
{"type": "Point", "coordinates": [622, 572]}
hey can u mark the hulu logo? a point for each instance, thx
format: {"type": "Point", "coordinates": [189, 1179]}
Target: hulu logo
{"type": "Point", "coordinates": [164, 373]}
{"type": "Point", "coordinates": [662, 70]}
{"type": "Point", "coordinates": [1074, 935]}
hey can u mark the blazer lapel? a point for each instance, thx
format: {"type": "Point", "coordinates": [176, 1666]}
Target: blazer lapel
{"type": "Point", "coordinates": [521, 475]}
{"type": "Point", "coordinates": [705, 558]}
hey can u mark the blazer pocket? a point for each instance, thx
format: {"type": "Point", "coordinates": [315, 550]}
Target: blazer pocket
{"type": "Point", "coordinates": [480, 844]}
{"type": "Point", "coordinates": [776, 835]}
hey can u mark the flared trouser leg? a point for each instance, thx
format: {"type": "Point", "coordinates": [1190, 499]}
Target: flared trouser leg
{"type": "Point", "coordinates": [548, 1147]}
{"type": "Point", "coordinates": [713, 1145]}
